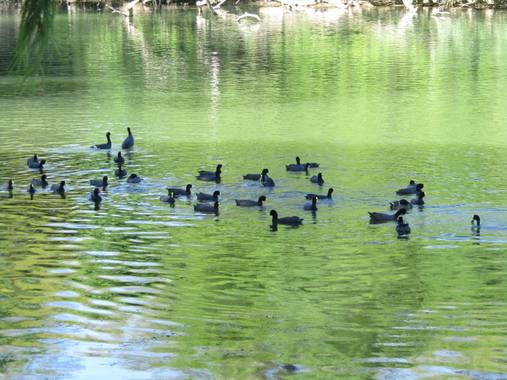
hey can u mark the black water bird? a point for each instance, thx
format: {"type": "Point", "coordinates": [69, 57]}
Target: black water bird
{"type": "Point", "coordinates": [301, 167]}
{"type": "Point", "coordinates": [317, 179]}
{"type": "Point", "coordinates": [58, 188]}
{"type": "Point", "coordinates": [10, 186]}
{"type": "Point", "coordinates": [202, 197]}
{"type": "Point", "coordinates": [267, 181]}
{"type": "Point", "coordinates": [36, 164]}
{"type": "Point", "coordinates": [134, 178]}
{"type": "Point", "coordinates": [311, 206]}
{"type": "Point", "coordinates": [205, 175]}
{"type": "Point", "coordinates": [207, 208]}
{"type": "Point", "coordinates": [329, 195]}
{"type": "Point", "coordinates": [42, 182]}
{"type": "Point", "coordinates": [379, 217]}
{"type": "Point", "coordinates": [250, 203]}
{"type": "Point", "coordinates": [287, 221]}
{"type": "Point", "coordinates": [95, 195]}
{"type": "Point", "coordinates": [255, 177]}
{"type": "Point", "coordinates": [31, 190]}
{"type": "Point", "coordinates": [476, 223]}
{"type": "Point", "coordinates": [104, 182]}
{"type": "Point", "coordinates": [186, 192]}
{"type": "Point", "coordinates": [402, 203]}
{"type": "Point", "coordinates": [419, 201]}
{"type": "Point", "coordinates": [411, 189]}
{"type": "Point", "coordinates": [32, 159]}
{"type": "Point", "coordinates": [119, 159]}
{"type": "Point", "coordinates": [120, 172]}
{"type": "Point", "coordinates": [129, 141]}
{"type": "Point", "coordinates": [402, 228]}
{"type": "Point", "coordinates": [297, 167]}
{"type": "Point", "coordinates": [107, 145]}
{"type": "Point", "coordinates": [169, 198]}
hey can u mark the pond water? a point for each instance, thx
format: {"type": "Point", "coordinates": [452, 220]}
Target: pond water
{"type": "Point", "coordinates": [140, 290]}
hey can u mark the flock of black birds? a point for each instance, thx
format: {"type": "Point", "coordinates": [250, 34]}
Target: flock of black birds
{"type": "Point", "coordinates": [210, 203]}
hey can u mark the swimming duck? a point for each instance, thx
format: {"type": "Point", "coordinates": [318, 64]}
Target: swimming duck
{"type": "Point", "coordinates": [42, 182]}
{"type": "Point", "coordinates": [119, 159]}
{"type": "Point", "coordinates": [129, 141]}
{"type": "Point", "coordinates": [301, 167]}
{"type": "Point", "coordinates": [402, 203]}
{"type": "Point", "coordinates": [205, 175]}
{"type": "Point", "coordinates": [251, 203]}
{"type": "Point", "coordinates": [288, 220]}
{"type": "Point", "coordinates": [169, 198]}
{"type": "Point", "coordinates": [134, 178]}
{"type": "Point", "coordinates": [100, 182]}
{"type": "Point", "coordinates": [419, 200]}
{"type": "Point", "coordinates": [379, 217]}
{"type": "Point", "coordinates": [120, 172]}
{"type": "Point", "coordinates": [320, 196]}
{"type": "Point", "coordinates": [317, 179]}
{"type": "Point", "coordinates": [31, 190]}
{"type": "Point", "coordinates": [208, 197]}
{"type": "Point", "coordinates": [412, 188]}
{"type": "Point", "coordinates": [186, 192]}
{"type": "Point", "coordinates": [402, 228]}
{"type": "Point", "coordinates": [32, 160]}
{"type": "Point", "coordinates": [476, 222]}
{"type": "Point", "coordinates": [297, 167]}
{"type": "Point", "coordinates": [206, 208]}
{"type": "Point", "coordinates": [36, 164]}
{"type": "Point", "coordinates": [95, 195]}
{"type": "Point", "coordinates": [255, 177]}
{"type": "Point", "coordinates": [267, 181]}
{"type": "Point", "coordinates": [106, 145]}
{"type": "Point", "coordinates": [10, 185]}
{"type": "Point", "coordinates": [60, 188]}
{"type": "Point", "coordinates": [311, 206]}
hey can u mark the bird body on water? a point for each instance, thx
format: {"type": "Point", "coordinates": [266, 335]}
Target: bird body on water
{"type": "Point", "coordinates": [106, 145]}
{"type": "Point", "coordinates": [255, 177]}
{"type": "Point", "coordinates": [317, 179]}
{"type": "Point", "coordinates": [120, 172]}
{"type": "Point", "coordinates": [58, 188]}
{"type": "Point", "coordinates": [287, 221]}
{"type": "Point", "coordinates": [250, 202]}
{"type": "Point", "coordinates": [129, 141]}
{"type": "Point", "coordinates": [402, 228]}
{"type": "Point", "coordinates": [169, 198]}
{"type": "Point", "coordinates": [134, 178]}
{"type": "Point", "coordinates": [186, 192]}
{"type": "Point", "coordinates": [311, 206]}
{"type": "Point", "coordinates": [203, 197]}
{"type": "Point", "coordinates": [104, 182]}
{"type": "Point", "coordinates": [42, 182]}
{"type": "Point", "coordinates": [205, 175]}
{"type": "Point", "coordinates": [329, 195]}
{"type": "Point", "coordinates": [380, 217]}
{"type": "Point", "coordinates": [207, 208]}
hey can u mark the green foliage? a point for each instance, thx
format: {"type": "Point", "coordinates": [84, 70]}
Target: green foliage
{"type": "Point", "coordinates": [34, 33]}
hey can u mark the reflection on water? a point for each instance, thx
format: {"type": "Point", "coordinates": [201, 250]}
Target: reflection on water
{"type": "Point", "coordinates": [138, 289]}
